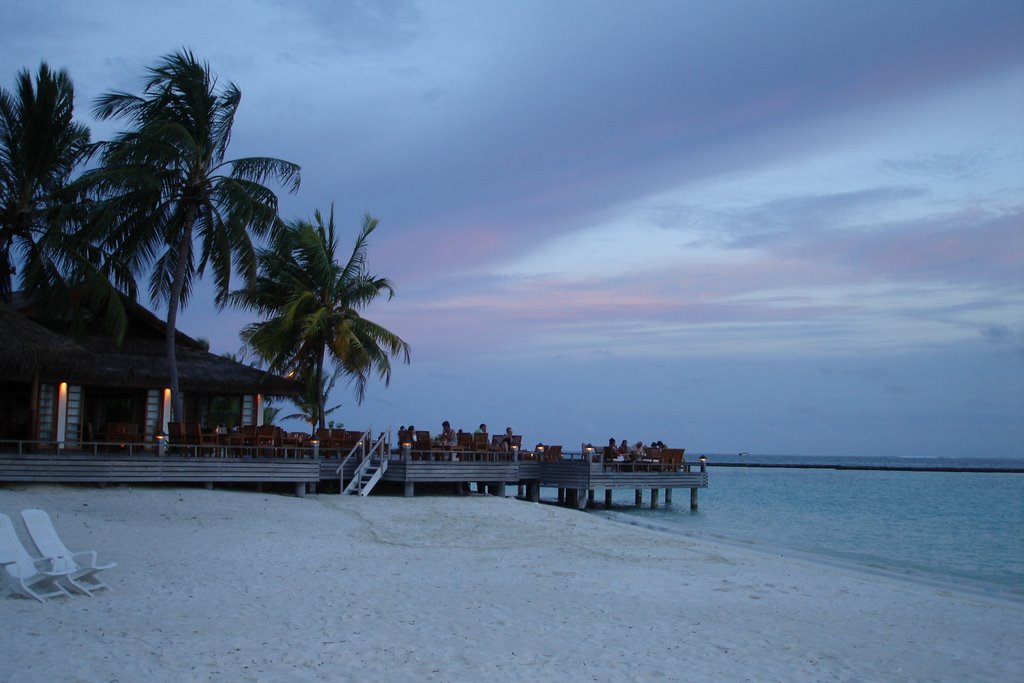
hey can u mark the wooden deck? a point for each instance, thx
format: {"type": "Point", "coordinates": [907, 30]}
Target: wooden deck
{"type": "Point", "coordinates": [576, 479]}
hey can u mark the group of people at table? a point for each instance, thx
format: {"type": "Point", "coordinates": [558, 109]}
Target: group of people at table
{"type": "Point", "coordinates": [455, 444]}
{"type": "Point", "coordinates": [451, 442]}
{"type": "Point", "coordinates": [640, 456]}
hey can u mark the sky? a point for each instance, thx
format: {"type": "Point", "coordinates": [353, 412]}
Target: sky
{"type": "Point", "coordinates": [790, 227]}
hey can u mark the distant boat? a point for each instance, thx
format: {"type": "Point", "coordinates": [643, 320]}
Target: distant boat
{"type": "Point", "coordinates": [742, 454]}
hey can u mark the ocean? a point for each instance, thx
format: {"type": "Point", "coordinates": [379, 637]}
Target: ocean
{"type": "Point", "coordinates": [962, 529]}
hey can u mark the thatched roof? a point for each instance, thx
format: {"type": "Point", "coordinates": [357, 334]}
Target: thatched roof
{"type": "Point", "coordinates": [27, 347]}
{"type": "Point", "coordinates": [143, 363]}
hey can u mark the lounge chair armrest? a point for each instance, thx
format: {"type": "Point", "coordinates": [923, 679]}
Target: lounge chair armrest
{"type": "Point", "coordinates": [90, 554]}
{"type": "Point", "coordinates": [49, 567]}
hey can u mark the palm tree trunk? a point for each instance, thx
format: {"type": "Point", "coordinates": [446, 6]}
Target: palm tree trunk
{"type": "Point", "coordinates": [321, 405]}
{"type": "Point", "coordinates": [184, 256]}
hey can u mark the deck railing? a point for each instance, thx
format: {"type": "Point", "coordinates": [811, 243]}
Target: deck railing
{"type": "Point", "coordinates": [160, 448]}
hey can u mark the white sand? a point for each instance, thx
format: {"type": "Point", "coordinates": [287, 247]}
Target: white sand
{"type": "Point", "coordinates": [242, 586]}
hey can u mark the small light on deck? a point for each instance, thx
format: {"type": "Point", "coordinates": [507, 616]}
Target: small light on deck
{"type": "Point", "coordinates": [161, 442]}
{"type": "Point", "coordinates": [703, 458]}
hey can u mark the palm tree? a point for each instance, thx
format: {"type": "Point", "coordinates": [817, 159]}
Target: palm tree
{"type": "Point", "coordinates": [312, 306]}
{"type": "Point", "coordinates": [166, 185]}
{"type": "Point", "coordinates": [41, 213]}
{"type": "Point", "coordinates": [310, 401]}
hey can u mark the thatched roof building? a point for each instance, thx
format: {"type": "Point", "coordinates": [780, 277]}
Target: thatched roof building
{"type": "Point", "coordinates": [28, 346]}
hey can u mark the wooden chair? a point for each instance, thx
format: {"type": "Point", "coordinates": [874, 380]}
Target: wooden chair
{"type": "Point", "coordinates": [123, 433]}
{"type": "Point", "coordinates": [552, 453]}
{"type": "Point", "coordinates": [244, 440]}
{"type": "Point", "coordinates": [610, 463]}
{"type": "Point", "coordinates": [205, 438]}
{"type": "Point", "coordinates": [480, 440]}
{"type": "Point", "coordinates": [674, 458]}
{"type": "Point", "coordinates": [421, 445]}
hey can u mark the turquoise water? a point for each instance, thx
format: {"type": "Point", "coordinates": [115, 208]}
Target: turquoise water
{"type": "Point", "coordinates": [961, 528]}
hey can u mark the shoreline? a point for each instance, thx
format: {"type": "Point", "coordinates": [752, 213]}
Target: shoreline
{"type": "Point", "coordinates": [967, 587]}
{"type": "Point", "coordinates": [238, 585]}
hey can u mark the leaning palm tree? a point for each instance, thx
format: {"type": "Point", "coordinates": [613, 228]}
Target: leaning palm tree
{"type": "Point", "coordinates": [171, 202]}
{"type": "Point", "coordinates": [309, 402]}
{"type": "Point", "coordinates": [312, 304]}
{"type": "Point", "coordinates": [41, 214]}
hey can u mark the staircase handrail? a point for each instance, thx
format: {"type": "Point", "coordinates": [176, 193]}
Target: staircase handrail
{"type": "Point", "coordinates": [352, 452]}
{"type": "Point", "coordinates": [356, 485]}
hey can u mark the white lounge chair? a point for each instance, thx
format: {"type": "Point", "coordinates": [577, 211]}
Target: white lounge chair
{"type": "Point", "coordinates": [32, 577]}
{"type": "Point", "coordinates": [81, 567]}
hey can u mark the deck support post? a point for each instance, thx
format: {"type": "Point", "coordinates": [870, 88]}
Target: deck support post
{"type": "Point", "coordinates": [607, 498]}
{"type": "Point", "coordinates": [581, 499]}
{"type": "Point", "coordinates": [410, 489]}
{"type": "Point", "coordinates": [639, 497]}
{"type": "Point", "coordinates": [300, 489]}
{"type": "Point", "coordinates": [693, 499]}
{"type": "Point", "coordinates": [568, 497]}
{"type": "Point", "coordinates": [561, 495]}
{"type": "Point", "coordinates": [521, 492]}
{"type": "Point", "coordinates": [498, 489]}
{"type": "Point", "coordinates": [654, 499]}
{"type": "Point", "coordinates": [208, 485]}
{"type": "Point", "coordinates": [668, 496]}
{"type": "Point", "coordinates": [534, 491]}
{"type": "Point", "coordinates": [590, 497]}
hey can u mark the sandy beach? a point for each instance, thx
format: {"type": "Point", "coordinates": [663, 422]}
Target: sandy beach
{"type": "Point", "coordinates": [245, 586]}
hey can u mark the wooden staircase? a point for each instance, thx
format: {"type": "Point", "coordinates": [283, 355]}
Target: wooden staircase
{"type": "Point", "coordinates": [369, 471]}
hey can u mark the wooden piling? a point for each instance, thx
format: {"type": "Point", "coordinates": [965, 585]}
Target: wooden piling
{"type": "Point", "coordinates": [590, 497]}
{"type": "Point", "coordinates": [581, 499]}
{"type": "Point", "coordinates": [607, 498]}
{"type": "Point", "coordinates": [639, 497]}
{"type": "Point", "coordinates": [410, 489]}
{"type": "Point", "coordinates": [693, 499]}
{"type": "Point", "coordinates": [568, 497]}
{"type": "Point", "coordinates": [654, 499]}
{"type": "Point", "coordinates": [668, 496]}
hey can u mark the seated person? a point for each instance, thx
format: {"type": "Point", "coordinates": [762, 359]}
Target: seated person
{"type": "Point", "coordinates": [448, 436]}
{"type": "Point", "coordinates": [506, 441]}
